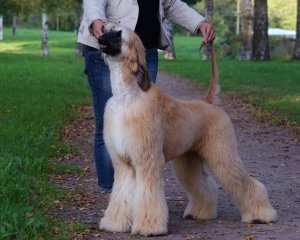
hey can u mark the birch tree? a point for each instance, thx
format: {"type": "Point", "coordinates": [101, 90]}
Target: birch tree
{"type": "Point", "coordinates": [1, 27]}
{"type": "Point", "coordinates": [79, 46]}
{"type": "Point", "coordinates": [246, 21]}
{"type": "Point", "coordinates": [169, 53]}
{"type": "Point", "coordinates": [45, 50]}
{"type": "Point", "coordinates": [14, 25]}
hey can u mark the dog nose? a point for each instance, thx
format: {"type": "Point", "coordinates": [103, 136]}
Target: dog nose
{"type": "Point", "coordinates": [102, 41]}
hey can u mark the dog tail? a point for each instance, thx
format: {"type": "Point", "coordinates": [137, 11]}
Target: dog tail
{"type": "Point", "coordinates": [214, 86]}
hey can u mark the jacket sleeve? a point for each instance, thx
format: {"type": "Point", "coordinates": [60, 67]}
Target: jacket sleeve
{"type": "Point", "coordinates": [93, 10]}
{"type": "Point", "coordinates": [180, 13]}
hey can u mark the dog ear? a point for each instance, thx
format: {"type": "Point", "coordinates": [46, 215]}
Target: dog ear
{"type": "Point", "coordinates": [142, 77]}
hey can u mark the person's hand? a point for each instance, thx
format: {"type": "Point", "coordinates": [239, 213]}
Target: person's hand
{"type": "Point", "coordinates": [207, 32]}
{"type": "Point", "coordinates": [97, 27]}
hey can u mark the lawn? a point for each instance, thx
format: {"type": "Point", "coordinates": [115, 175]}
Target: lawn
{"type": "Point", "coordinates": [272, 86]}
{"type": "Point", "coordinates": [38, 95]}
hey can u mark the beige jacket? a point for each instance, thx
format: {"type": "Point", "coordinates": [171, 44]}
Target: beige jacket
{"type": "Point", "coordinates": [125, 13]}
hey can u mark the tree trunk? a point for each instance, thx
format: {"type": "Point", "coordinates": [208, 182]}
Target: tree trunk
{"type": "Point", "coordinates": [246, 17]}
{"type": "Point", "coordinates": [169, 53]}
{"type": "Point", "coordinates": [238, 15]}
{"type": "Point", "coordinates": [79, 46]}
{"type": "Point", "coordinates": [57, 23]}
{"type": "Point", "coordinates": [260, 31]}
{"type": "Point", "coordinates": [14, 25]}
{"type": "Point", "coordinates": [1, 27]}
{"type": "Point", "coordinates": [296, 55]}
{"type": "Point", "coordinates": [209, 10]}
{"type": "Point", "coordinates": [45, 50]}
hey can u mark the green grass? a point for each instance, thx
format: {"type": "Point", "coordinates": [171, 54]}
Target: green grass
{"type": "Point", "coordinates": [272, 86]}
{"type": "Point", "coordinates": [37, 97]}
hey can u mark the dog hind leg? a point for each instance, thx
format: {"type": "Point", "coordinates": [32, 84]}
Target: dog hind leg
{"type": "Point", "coordinates": [201, 188]}
{"type": "Point", "coordinates": [118, 215]}
{"type": "Point", "coordinates": [221, 156]}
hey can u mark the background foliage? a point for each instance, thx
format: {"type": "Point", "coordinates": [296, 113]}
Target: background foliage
{"type": "Point", "coordinates": [66, 13]}
{"type": "Point", "coordinates": [281, 14]}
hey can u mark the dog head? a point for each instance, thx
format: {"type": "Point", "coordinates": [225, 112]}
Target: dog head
{"type": "Point", "coordinates": [122, 44]}
{"type": "Point", "coordinates": [111, 41]}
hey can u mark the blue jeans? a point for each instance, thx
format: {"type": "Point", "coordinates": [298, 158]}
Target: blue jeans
{"type": "Point", "coordinates": [99, 80]}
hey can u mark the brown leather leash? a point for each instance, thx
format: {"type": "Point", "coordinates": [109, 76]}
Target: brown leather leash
{"type": "Point", "coordinates": [211, 92]}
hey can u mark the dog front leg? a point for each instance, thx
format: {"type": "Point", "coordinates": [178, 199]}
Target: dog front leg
{"type": "Point", "coordinates": [118, 215]}
{"type": "Point", "coordinates": [150, 214]}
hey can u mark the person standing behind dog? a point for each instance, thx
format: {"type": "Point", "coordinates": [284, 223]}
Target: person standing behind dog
{"type": "Point", "coordinates": [145, 17]}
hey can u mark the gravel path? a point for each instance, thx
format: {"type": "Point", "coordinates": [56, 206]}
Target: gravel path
{"type": "Point", "coordinates": [270, 154]}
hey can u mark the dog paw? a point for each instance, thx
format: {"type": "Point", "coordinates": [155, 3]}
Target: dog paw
{"type": "Point", "coordinates": [202, 213]}
{"type": "Point", "coordinates": [263, 215]}
{"type": "Point", "coordinates": [114, 226]}
{"type": "Point", "coordinates": [199, 216]}
{"type": "Point", "coordinates": [150, 230]}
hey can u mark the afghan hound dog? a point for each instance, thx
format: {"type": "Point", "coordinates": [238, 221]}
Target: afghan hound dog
{"type": "Point", "coordinates": [144, 128]}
